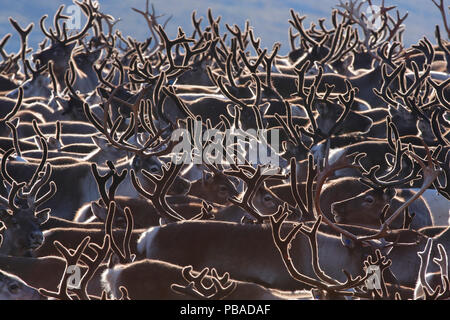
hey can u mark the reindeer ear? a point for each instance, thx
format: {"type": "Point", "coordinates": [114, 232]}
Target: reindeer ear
{"type": "Point", "coordinates": [4, 214]}
{"type": "Point", "coordinates": [113, 260]}
{"type": "Point", "coordinates": [98, 211]}
{"type": "Point", "coordinates": [247, 84]}
{"type": "Point", "coordinates": [43, 215]}
{"type": "Point", "coordinates": [230, 110]}
{"type": "Point", "coordinates": [284, 146]}
{"type": "Point", "coordinates": [37, 141]}
{"type": "Point", "coordinates": [100, 142]}
{"type": "Point", "coordinates": [348, 61]}
{"type": "Point", "coordinates": [15, 122]}
{"type": "Point", "coordinates": [264, 107]}
{"type": "Point", "coordinates": [347, 242]}
{"type": "Point", "coordinates": [389, 193]}
{"type": "Point", "coordinates": [54, 143]}
{"type": "Point", "coordinates": [207, 177]}
{"type": "Point", "coordinates": [390, 158]}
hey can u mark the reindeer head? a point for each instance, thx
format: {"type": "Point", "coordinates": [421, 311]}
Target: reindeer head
{"type": "Point", "coordinates": [14, 288]}
{"type": "Point", "coordinates": [60, 50]}
{"type": "Point", "coordinates": [214, 187]}
{"type": "Point", "coordinates": [363, 209]}
{"type": "Point", "coordinates": [153, 165]}
{"type": "Point", "coordinates": [19, 211]}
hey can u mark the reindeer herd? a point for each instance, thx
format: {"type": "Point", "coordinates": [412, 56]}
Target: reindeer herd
{"type": "Point", "coordinates": [95, 205]}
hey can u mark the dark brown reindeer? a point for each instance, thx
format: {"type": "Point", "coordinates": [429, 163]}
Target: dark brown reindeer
{"type": "Point", "coordinates": [337, 96]}
{"type": "Point", "coordinates": [62, 45]}
{"type": "Point", "coordinates": [21, 218]}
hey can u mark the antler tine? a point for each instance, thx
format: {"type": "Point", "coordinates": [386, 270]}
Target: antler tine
{"type": "Point", "coordinates": [429, 173]}
{"type": "Point", "coordinates": [441, 8]}
{"type": "Point", "coordinates": [399, 152]}
{"type": "Point", "coordinates": [427, 49]}
{"type": "Point", "coordinates": [161, 187]}
{"type": "Point", "coordinates": [345, 48]}
{"type": "Point", "coordinates": [93, 265]}
{"type": "Point", "coordinates": [117, 180]}
{"type": "Point", "coordinates": [418, 80]}
{"type": "Point", "coordinates": [5, 174]}
{"type": "Point", "coordinates": [58, 16]}
{"type": "Point", "coordinates": [444, 191]}
{"type": "Point", "coordinates": [288, 125]}
{"type": "Point", "coordinates": [322, 175]}
{"type": "Point", "coordinates": [284, 244]}
{"type": "Point", "coordinates": [101, 182]}
{"type": "Point", "coordinates": [16, 108]}
{"type": "Point", "coordinates": [317, 133]}
{"type": "Point", "coordinates": [23, 37]}
{"type": "Point", "coordinates": [268, 61]}
{"type": "Point", "coordinates": [388, 57]}
{"type": "Point", "coordinates": [229, 71]}
{"type": "Point", "coordinates": [196, 23]}
{"type": "Point", "coordinates": [152, 22]}
{"type": "Point", "coordinates": [391, 129]}
{"type": "Point", "coordinates": [169, 44]}
{"type": "Point", "coordinates": [36, 129]}
{"type": "Point", "coordinates": [225, 91]}
{"type": "Point", "coordinates": [42, 163]}
{"type": "Point", "coordinates": [198, 280]}
{"type": "Point", "coordinates": [297, 23]}
{"type": "Point", "coordinates": [16, 187]}
{"type": "Point", "coordinates": [440, 91]}
{"type": "Point", "coordinates": [379, 184]}
{"type": "Point", "coordinates": [236, 32]}
{"type": "Point", "coordinates": [424, 260]}
{"type": "Point", "coordinates": [2, 45]}
{"type": "Point", "coordinates": [252, 67]}
{"type": "Point", "coordinates": [442, 46]}
{"type": "Point", "coordinates": [88, 10]}
{"type": "Point", "coordinates": [442, 262]}
{"type": "Point", "coordinates": [189, 53]}
{"type": "Point", "coordinates": [135, 115]}
{"type": "Point", "coordinates": [253, 182]}
{"type": "Point", "coordinates": [214, 23]}
{"type": "Point", "coordinates": [46, 196]}
{"type": "Point", "coordinates": [382, 264]}
{"type": "Point", "coordinates": [435, 127]}
{"type": "Point", "coordinates": [337, 38]}
{"type": "Point", "coordinates": [312, 237]}
{"type": "Point", "coordinates": [256, 42]}
{"type": "Point", "coordinates": [36, 186]}
{"type": "Point", "coordinates": [124, 255]}
{"type": "Point", "coordinates": [301, 79]}
{"type": "Point", "coordinates": [15, 138]}
{"type": "Point", "coordinates": [71, 260]}
{"type": "Point", "coordinates": [397, 24]}
{"type": "Point", "coordinates": [351, 92]}
{"type": "Point", "coordinates": [220, 288]}
{"type": "Point", "coordinates": [385, 93]}
{"type": "Point", "coordinates": [306, 209]}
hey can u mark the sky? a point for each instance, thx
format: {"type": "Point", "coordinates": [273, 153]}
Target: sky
{"type": "Point", "coordinates": [269, 18]}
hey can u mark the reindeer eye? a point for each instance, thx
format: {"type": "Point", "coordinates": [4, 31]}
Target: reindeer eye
{"type": "Point", "coordinates": [369, 199]}
{"type": "Point", "coordinates": [154, 169]}
{"type": "Point", "coordinates": [267, 198]}
{"type": "Point", "coordinates": [14, 288]}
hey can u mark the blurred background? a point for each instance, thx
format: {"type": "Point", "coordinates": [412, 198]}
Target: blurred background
{"type": "Point", "coordinates": [269, 18]}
